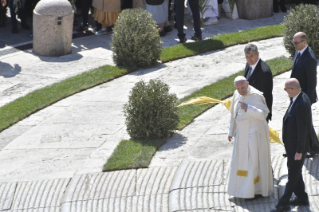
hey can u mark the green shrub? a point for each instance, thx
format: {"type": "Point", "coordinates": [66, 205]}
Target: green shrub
{"type": "Point", "coordinates": [136, 41]}
{"type": "Point", "coordinates": [305, 18]}
{"type": "Point", "coordinates": [151, 111]}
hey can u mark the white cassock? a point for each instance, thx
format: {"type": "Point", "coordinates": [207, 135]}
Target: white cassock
{"type": "Point", "coordinates": [250, 169]}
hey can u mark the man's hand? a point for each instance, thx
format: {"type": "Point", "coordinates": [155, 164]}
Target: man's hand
{"type": "Point", "coordinates": [243, 106]}
{"type": "Point", "coordinates": [229, 138]}
{"type": "Point", "coordinates": [3, 2]}
{"type": "Point", "coordinates": [298, 156]}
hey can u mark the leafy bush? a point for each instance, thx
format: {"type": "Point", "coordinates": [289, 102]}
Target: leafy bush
{"type": "Point", "coordinates": [151, 111]}
{"type": "Point", "coordinates": [305, 18]}
{"type": "Point", "coordinates": [136, 41]}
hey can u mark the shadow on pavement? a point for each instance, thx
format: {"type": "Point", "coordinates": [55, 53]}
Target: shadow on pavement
{"type": "Point", "coordinates": [8, 71]}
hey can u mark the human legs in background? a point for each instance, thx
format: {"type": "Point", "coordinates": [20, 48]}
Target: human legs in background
{"type": "Point", "coordinates": [194, 5]}
{"type": "Point", "coordinates": [211, 13]}
{"type": "Point", "coordinates": [220, 8]}
{"type": "Point", "coordinates": [22, 15]}
{"type": "Point", "coordinates": [281, 4]}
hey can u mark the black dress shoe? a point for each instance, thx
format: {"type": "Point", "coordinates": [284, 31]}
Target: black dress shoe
{"type": "Point", "coordinates": [168, 28]}
{"type": "Point", "coordinates": [281, 209]}
{"type": "Point", "coordinates": [310, 155]}
{"type": "Point", "coordinates": [25, 26]}
{"type": "Point", "coordinates": [183, 40]}
{"type": "Point", "coordinates": [284, 155]}
{"type": "Point", "coordinates": [197, 38]}
{"type": "Point", "coordinates": [162, 33]}
{"type": "Point", "coordinates": [283, 8]}
{"type": "Point", "coordinates": [296, 201]}
{"type": "Point", "coordinates": [14, 30]}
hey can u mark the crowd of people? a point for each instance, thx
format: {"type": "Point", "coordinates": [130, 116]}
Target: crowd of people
{"type": "Point", "coordinates": [106, 12]}
{"type": "Point", "coordinates": [251, 109]}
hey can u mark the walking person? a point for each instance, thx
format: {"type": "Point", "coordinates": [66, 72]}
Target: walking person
{"type": "Point", "coordinates": [259, 75]}
{"type": "Point", "coordinates": [250, 170]}
{"type": "Point", "coordinates": [304, 69]}
{"type": "Point", "coordinates": [297, 129]}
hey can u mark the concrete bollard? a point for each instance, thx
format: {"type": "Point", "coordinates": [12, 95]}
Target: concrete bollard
{"type": "Point", "coordinates": [52, 28]}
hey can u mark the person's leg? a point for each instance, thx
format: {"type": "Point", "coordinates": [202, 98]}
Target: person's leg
{"type": "Point", "coordinates": [86, 4]}
{"type": "Point", "coordinates": [294, 174]}
{"type": "Point", "coordinates": [23, 16]}
{"type": "Point", "coordinates": [194, 5]}
{"type": "Point", "coordinates": [282, 6]}
{"type": "Point", "coordinates": [13, 17]}
{"type": "Point", "coordinates": [180, 20]}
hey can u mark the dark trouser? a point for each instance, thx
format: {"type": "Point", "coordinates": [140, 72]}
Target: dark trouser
{"type": "Point", "coordinates": [194, 5]}
{"type": "Point", "coordinates": [22, 14]}
{"type": "Point", "coordinates": [126, 4]}
{"type": "Point", "coordinates": [85, 6]}
{"type": "Point", "coordinates": [295, 182]}
{"type": "Point", "coordinates": [281, 3]}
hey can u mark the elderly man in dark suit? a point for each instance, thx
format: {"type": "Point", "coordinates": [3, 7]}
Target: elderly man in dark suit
{"type": "Point", "coordinates": [305, 71]}
{"type": "Point", "coordinates": [296, 132]}
{"type": "Point", "coordinates": [259, 75]}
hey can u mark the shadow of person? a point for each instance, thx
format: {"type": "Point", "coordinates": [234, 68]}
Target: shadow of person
{"type": "Point", "coordinates": [7, 71]}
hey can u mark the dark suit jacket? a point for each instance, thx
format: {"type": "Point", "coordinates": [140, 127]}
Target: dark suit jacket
{"type": "Point", "coordinates": [297, 126]}
{"type": "Point", "coordinates": [261, 79]}
{"type": "Point", "coordinates": [305, 71]}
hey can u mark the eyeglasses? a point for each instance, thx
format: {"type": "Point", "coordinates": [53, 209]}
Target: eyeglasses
{"type": "Point", "coordinates": [287, 88]}
{"type": "Point", "coordinates": [296, 43]}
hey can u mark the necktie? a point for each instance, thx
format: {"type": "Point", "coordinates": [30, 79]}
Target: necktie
{"type": "Point", "coordinates": [249, 72]}
{"type": "Point", "coordinates": [291, 101]}
{"type": "Point", "coordinates": [297, 58]}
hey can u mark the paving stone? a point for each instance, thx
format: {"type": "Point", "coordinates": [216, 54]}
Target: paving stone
{"type": "Point", "coordinates": [7, 191]}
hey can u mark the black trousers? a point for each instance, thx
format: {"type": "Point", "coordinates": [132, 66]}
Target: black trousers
{"type": "Point", "coordinates": [85, 7]}
{"type": "Point", "coordinates": [295, 182]}
{"type": "Point", "coordinates": [21, 11]}
{"type": "Point", "coordinates": [194, 5]}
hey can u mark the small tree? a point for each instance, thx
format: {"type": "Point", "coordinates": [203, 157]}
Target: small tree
{"type": "Point", "coordinates": [151, 111]}
{"type": "Point", "coordinates": [304, 18]}
{"type": "Point", "coordinates": [136, 41]}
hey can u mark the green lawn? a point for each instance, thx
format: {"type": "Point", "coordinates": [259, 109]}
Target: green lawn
{"type": "Point", "coordinates": [133, 154]}
{"type": "Point", "coordinates": [220, 41]}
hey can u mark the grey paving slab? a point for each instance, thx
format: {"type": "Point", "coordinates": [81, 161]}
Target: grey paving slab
{"type": "Point", "coordinates": [41, 164]}
{"type": "Point", "coordinates": [130, 190]}
{"type": "Point", "coordinates": [7, 191]}
{"type": "Point", "coordinates": [32, 196]}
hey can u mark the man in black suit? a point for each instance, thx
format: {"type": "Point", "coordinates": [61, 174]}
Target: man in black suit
{"type": "Point", "coordinates": [296, 131]}
{"type": "Point", "coordinates": [259, 75]}
{"type": "Point", "coordinates": [305, 71]}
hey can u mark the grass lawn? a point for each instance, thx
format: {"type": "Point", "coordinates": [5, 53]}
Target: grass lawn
{"type": "Point", "coordinates": [138, 154]}
{"type": "Point", "coordinates": [133, 154]}
{"type": "Point", "coordinates": [220, 41]}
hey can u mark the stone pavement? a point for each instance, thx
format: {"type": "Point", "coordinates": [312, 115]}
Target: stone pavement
{"type": "Point", "coordinates": [51, 161]}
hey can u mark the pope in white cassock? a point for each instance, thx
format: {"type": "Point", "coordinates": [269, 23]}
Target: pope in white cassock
{"type": "Point", "coordinates": [250, 169]}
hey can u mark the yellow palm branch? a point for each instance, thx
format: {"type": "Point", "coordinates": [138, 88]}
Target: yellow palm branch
{"type": "Point", "coordinates": [273, 134]}
{"type": "Point", "coordinates": [206, 100]}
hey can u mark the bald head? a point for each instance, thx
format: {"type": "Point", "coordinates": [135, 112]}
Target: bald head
{"type": "Point", "coordinates": [292, 87]}
{"type": "Point", "coordinates": [300, 40]}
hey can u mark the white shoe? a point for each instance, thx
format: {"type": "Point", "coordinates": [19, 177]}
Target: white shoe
{"type": "Point", "coordinates": [101, 32]}
{"type": "Point", "coordinates": [211, 21]}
